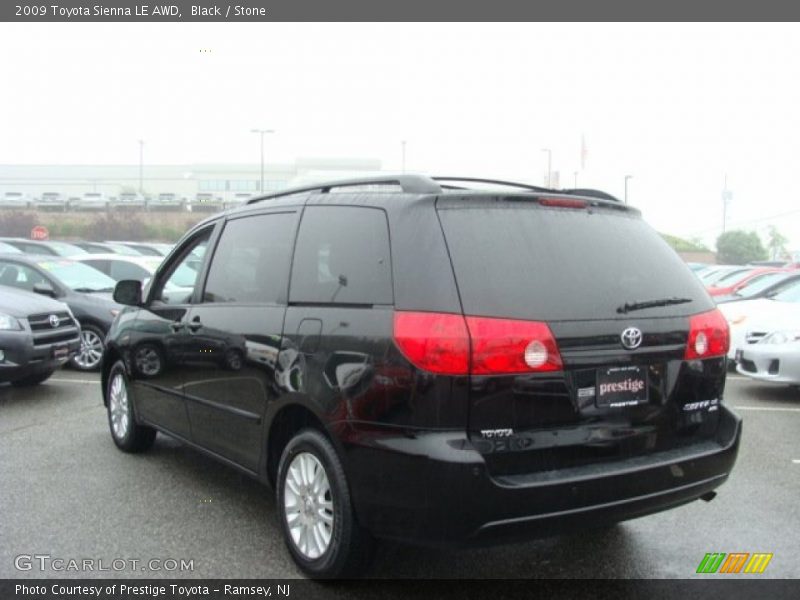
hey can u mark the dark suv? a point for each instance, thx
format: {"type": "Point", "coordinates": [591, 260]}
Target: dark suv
{"type": "Point", "coordinates": [406, 358]}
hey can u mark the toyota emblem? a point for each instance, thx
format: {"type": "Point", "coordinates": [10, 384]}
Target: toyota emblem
{"type": "Point", "coordinates": [631, 338]}
{"type": "Point", "coordinates": [54, 321]}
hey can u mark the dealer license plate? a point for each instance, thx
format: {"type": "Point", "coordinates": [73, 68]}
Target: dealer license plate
{"type": "Point", "coordinates": [621, 386]}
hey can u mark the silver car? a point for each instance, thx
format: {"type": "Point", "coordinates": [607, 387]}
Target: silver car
{"type": "Point", "coordinates": [774, 359]}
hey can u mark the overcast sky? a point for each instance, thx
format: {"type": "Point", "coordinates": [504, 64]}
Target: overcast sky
{"type": "Point", "coordinates": [676, 106]}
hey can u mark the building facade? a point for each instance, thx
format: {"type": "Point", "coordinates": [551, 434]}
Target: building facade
{"type": "Point", "coordinates": [223, 180]}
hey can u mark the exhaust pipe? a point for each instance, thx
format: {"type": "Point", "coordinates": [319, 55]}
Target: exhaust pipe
{"type": "Point", "coordinates": [708, 496]}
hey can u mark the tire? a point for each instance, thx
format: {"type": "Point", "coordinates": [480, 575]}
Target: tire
{"type": "Point", "coordinates": [32, 379]}
{"type": "Point", "coordinates": [90, 355]}
{"type": "Point", "coordinates": [128, 435]}
{"type": "Point", "coordinates": [349, 546]}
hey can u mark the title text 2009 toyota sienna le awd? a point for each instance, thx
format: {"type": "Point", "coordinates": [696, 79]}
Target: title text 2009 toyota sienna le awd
{"type": "Point", "coordinates": [406, 358]}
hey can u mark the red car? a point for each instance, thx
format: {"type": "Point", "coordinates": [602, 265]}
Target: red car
{"type": "Point", "coordinates": [729, 284]}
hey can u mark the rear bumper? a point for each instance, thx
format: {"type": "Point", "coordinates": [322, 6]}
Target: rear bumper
{"type": "Point", "coordinates": [434, 488]}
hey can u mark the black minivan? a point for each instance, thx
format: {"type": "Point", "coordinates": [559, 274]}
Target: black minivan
{"type": "Point", "coordinates": [408, 358]}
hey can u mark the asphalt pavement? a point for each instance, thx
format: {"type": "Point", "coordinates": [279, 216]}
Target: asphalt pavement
{"type": "Point", "coordinates": [67, 493]}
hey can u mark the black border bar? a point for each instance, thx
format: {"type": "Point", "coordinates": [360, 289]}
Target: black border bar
{"type": "Point", "coordinates": [710, 588]}
{"type": "Point", "coordinates": [396, 10]}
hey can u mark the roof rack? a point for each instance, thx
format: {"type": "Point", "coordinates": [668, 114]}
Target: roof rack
{"type": "Point", "coordinates": [421, 184]}
{"type": "Point", "coordinates": [409, 183]}
{"type": "Point", "coordinates": [523, 186]}
{"type": "Point", "coordinates": [592, 193]}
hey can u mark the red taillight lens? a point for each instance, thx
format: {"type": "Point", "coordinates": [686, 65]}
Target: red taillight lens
{"type": "Point", "coordinates": [435, 342]}
{"type": "Point", "coordinates": [709, 336]}
{"type": "Point", "coordinates": [563, 203]}
{"type": "Point", "coordinates": [508, 346]}
{"type": "Point", "coordinates": [440, 343]}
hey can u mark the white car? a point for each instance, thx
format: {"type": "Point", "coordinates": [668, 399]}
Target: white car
{"type": "Point", "coordinates": [15, 200]}
{"type": "Point", "coordinates": [90, 201]}
{"type": "Point", "coordinates": [141, 268]}
{"type": "Point", "coordinates": [752, 320]}
{"type": "Point", "coordinates": [122, 266]}
{"type": "Point", "coordinates": [774, 359]}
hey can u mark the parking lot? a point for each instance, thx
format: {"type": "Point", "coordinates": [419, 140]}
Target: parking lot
{"type": "Point", "coordinates": [68, 493]}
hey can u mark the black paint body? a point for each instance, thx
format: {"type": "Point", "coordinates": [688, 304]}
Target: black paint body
{"type": "Point", "coordinates": [238, 377]}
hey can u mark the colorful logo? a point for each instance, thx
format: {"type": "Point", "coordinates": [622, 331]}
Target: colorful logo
{"type": "Point", "coordinates": [736, 562]}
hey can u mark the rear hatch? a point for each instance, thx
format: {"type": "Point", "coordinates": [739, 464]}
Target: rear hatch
{"type": "Point", "coordinates": [592, 278]}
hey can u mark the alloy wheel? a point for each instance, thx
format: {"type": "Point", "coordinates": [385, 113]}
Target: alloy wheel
{"type": "Point", "coordinates": [91, 352]}
{"type": "Point", "coordinates": [308, 505]}
{"type": "Point", "coordinates": [118, 407]}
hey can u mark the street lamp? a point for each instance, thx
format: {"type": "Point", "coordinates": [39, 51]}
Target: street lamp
{"type": "Point", "coordinates": [726, 198]}
{"type": "Point", "coordinates": [549, 164]}
{"type": "Point", "coordinates": [141, 165]}
{"type": "Point", "coordinates": [261, 132]}
{"type": "Point", "coordinates": [403, 145]}
{"type": "Point", "coordinates": [626, 187]}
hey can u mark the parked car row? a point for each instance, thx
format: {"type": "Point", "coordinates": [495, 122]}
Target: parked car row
{"type": "Point", "coordinates": [761, 303]}
{"type": "Point", "coordinates": [59, 248]}
{"type": "Point", "coordinates": [56, 305]}
{"type": "Point", "coordinates": [98, 201]}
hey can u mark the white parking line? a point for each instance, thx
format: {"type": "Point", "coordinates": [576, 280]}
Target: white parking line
{"type": "Point", "coordinates": [54, 380]}
{"type": "Point", "coordinates": [766, 408]}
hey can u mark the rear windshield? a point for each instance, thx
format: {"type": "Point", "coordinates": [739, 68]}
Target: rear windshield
{"type": "Point", "coordinates": [530, 262]}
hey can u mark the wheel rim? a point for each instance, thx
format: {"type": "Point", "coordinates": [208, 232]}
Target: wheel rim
{"type": "Point", "coordinates": [91, 352]}
{"type": "Point", "coordinates": [118, 407]}
{"type": "Point", "coordinates": [308, 505]}
{"type": "Point", "coordinates": [148, 361]}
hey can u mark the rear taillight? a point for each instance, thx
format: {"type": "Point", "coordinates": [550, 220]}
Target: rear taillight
{"type": "Point", "coordinates": [506, 346]}
{"type": "Point", "coordinates": [454, 345]}
{"type": "Point", "coordinates": [709, 336]}
{"type": "Point", "coordinates": [434, 342]}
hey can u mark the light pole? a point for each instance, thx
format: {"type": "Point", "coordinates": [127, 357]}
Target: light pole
{"type": "Point", "coordinates": [141, 165]}
{"type": "Point", "coordinates": [626, 187]}
{"type": "Point", "coordinates": [403, 146]}
{"type": "Point", "coordinates": [549, 164]}
{"type": "Point", "coordinates": [575, 174]}
{"type": "Point", "coordinates": [261, 132]}
{"type": "Point", "coordinates": [726, 198]}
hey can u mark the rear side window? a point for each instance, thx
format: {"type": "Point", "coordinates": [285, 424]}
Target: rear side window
{"type": "Point", "coordinates": [530, 262]}
{"type": "Point", "coordinates": [342, 257]}
{"type": "Point", "coordinates": [251, 262]}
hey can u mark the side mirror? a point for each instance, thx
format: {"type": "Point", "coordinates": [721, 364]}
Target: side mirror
{"type": "Point", "coordinates": [128, 292]}
{"type": "Point", "coordinates": [45, 289]}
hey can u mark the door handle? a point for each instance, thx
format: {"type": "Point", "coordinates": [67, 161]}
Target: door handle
{"type": "Point", "coordinates": [195, 325]}
{"type": "Point", "coordinates": [177, 326]}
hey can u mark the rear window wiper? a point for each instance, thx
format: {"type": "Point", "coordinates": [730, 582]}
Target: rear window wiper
{"type": "Point", "coordinates": [631, 306]}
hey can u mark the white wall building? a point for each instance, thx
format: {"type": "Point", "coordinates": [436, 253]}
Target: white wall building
{"type": "Point", "coordinates": [223, 180]}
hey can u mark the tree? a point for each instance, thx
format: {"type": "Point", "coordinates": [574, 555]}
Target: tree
{"type": "Point", "coordinates": [739, 247]}
{"type": "Point", "coordinates": [776, 244]}
{"type": "Point", "coordinates": [682, 245]}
